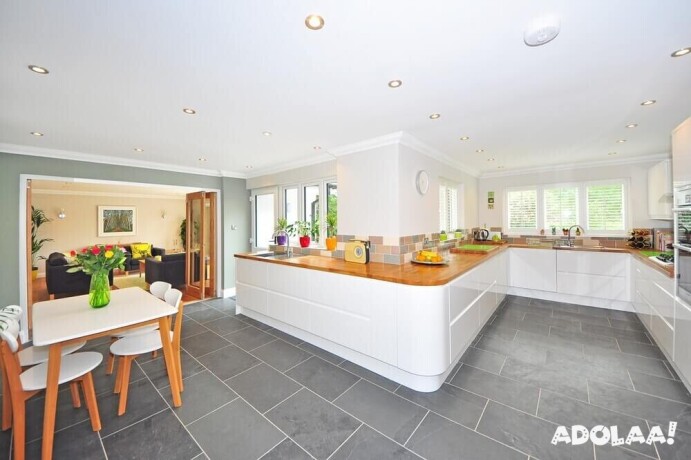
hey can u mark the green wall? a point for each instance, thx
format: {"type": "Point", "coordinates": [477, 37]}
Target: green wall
{"type": "Point", "coordinates": [235, 204]}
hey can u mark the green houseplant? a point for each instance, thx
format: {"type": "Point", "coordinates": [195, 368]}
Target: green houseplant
{"type": "Point", "coordinates": [331, 240]}
{"type": "Point", "coordinates": [282, 226]}
{"type": "Point", "coordinates": [38, 218]}
{"type": "Point", "coordinates": [304, 230]}
{"type": "Point", "coordinates": [183, 233]}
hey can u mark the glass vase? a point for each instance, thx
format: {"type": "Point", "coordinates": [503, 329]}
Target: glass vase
{"type": "Point", "coordinates": [99, 289]}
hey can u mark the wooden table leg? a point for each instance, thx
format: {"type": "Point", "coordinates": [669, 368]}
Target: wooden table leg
{"type": "Point", "coordinates": [54, 357]}
{"type": "Point", "coordinates": [171, 360]}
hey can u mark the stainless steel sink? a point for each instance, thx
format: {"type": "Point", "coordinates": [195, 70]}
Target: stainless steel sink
{"type": "Point", "coordinates": [276, 256]}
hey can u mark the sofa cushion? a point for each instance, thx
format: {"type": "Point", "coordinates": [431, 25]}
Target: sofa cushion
{"type": "Point", "coordinates": [141, 250]}
{"type": "Point", "coordinates": [56, 259]}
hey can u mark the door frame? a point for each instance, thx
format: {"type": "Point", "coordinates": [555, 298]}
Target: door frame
{"type": "Point", "coordinates": [22, 246]}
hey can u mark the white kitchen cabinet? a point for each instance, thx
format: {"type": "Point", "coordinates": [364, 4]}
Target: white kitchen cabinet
{"type": "Point", "coordinates": [533, 269]}
{"type": "Point", "coordinates": [640, 292]}
{"type": "Point", "coordinates": [660, 190]}
{"type": "Point", "coordinates": [682, 340]}
{"type": "Point", "coordinates": [601, 275]}
{"type": "Point", "coordinates": [681, 153]}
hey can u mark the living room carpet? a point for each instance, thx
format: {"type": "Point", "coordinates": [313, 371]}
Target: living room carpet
{"type": "Point", "coordinates": [126, 281]}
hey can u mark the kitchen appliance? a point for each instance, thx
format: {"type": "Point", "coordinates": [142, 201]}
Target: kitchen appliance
{"type": "Point", "coordinates": [682, 196]}
{"type": "Point", "coordinates": [682, 240]}
{"type": "Point", "coordinates": [481, 234]}
{"type": "Point", "coordinates": [357, 251]}
{"type": "Point", "coordinates": [666, 260]}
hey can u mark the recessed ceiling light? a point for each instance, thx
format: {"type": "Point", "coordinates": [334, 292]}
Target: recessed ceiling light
{"type": "Point", "coordinates": [632, 125]}
{"type": "Point", "coordinates": [681, 52]}
{"type": "Point", "coordinates": [621, 141]}
{"type": "Point", "coordinates": [317, 147]}
{"type": "Point", "coordinates": [248, 167]}
{"type": "Point", "coordinates": [612, 153]}
{"type": "Point", "coordinates": [500, 167]}
{"type": "Point", "coordinates": [38, 69]}
{"type": "Point", "coordinates": [649, 102]}
{"type": "Point", "coordinates": [36, 133]}
{"type": "Point", "coordinates": [189, 111]}
{"type": "Point", "coordinates": [267, 133]}
{"type": "Point", "coordinates": [314, 22]}
{"type": "Point", "coordinates": [137, 149]}
{"type": "Point", "coordinates": [395, 83]}
{"type": "Point", "coordinates": [465, 138]}
{"type": "Point", "coordinates": [490, 159]}
{"type": "Point", "coordinates": [434, 116]}
{"type": "Point", "coordinates": [479, 151]}
{"type": "Point", "coordinates": [202, 159]}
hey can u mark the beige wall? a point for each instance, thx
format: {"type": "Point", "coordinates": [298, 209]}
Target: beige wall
{"type": "Point", "coordinates": [79, 228]}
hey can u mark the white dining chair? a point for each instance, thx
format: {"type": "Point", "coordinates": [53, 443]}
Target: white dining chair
{"type": "Point", "coordinates": [29, 356]}
{"type": "Point", "coordinates": [23, 385]}
{"type": "Point", "coordinates": [128, 348]}
{"type": "Point", "coordinates": [158, 289]}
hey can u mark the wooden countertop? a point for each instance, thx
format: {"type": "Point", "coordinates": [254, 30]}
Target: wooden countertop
{"type": "Point", "coordinates": [426, 275]}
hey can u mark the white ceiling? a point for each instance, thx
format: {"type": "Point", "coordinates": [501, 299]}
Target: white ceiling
{"type": "Point", "coordinates": [121, 72]}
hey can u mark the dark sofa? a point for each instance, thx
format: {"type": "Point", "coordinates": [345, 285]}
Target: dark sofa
{"type": "Point", "coordinates": [171, 269]}
{"type": "Point", "coordinates": [59, 282]}
{"type": "Point", "coordinates": [133, 264]}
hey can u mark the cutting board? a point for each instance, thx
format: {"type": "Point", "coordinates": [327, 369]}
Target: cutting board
{"type": "Point", "coordinates": [475, 248]}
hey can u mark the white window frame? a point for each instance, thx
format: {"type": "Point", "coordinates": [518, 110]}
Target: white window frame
{"type": "Point", "coordinates": [321, 183]}
{"type": "Point", "coordinates": [449, 184]}
{"type": "Point", "coordinates": [253, 211]}
{"type": "Point", "coordinates": [582, 207]}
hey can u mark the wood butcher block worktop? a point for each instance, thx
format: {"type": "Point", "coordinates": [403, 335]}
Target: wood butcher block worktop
{"type": "Point", "coordinates": [428, 275]}
{"type": "Point", "coordinates": [409, 273]}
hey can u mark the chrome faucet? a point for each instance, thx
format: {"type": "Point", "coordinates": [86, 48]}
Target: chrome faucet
{"type": "Point", "coordinates": [569, 242]}
{"type": "Point", "coordinates": [289, 250]}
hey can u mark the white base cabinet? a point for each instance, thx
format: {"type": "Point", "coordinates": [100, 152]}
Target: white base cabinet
{"type": "Point", "coordinates": [682, 340]}
{"type": "Point", "coordinates": [593, 274]}
{"type": "Point", "coordinates": [533, 269]}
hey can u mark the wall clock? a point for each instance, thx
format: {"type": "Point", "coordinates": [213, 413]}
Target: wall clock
{"type": "Point", "coordinates": [422, 182]}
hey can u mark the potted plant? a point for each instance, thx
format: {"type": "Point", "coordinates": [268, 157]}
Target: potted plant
{"type": "Point", "coordinates": [458, 234]}
{"type": "Point", "coordinates": [331, 240]}
{"type": "Point", "coordinates": [38, 218]}
{"type": "Point", "coordinates": [281, 226]}
{"type": "Point", "coordinates": [183, 233]}
{"type": "Point", "coordinates": [98, 261]}
{"type": "Point", "coordinates": [304, 229]}
{"type": "Point", "coordinates": [442, 235]}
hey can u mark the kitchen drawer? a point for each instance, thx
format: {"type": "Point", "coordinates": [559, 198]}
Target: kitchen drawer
{"type": "Point", "coordinates": [643, 310]}
{"type": "Point", "coordinates": [682, 340]}
{"type": "Point", "coordinates": [662, 302]}
{"type": "Point", "coordinates": [664, 335]}
{"type": "Point", "coordinates": [593, 263]}
{"type": "Point", "coordinates": [462, 331]}
{"type": "Point", "coordinates": [600, 286]}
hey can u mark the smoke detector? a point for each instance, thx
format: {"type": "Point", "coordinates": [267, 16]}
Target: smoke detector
{"type": "Point", "coordinates": [541, 31]}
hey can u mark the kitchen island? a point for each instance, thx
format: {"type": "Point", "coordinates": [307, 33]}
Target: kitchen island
{"type": "Point", "coordinates": [410, 323]}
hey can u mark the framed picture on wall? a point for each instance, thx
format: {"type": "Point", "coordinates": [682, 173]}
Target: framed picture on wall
{"type": "Point", "coordinates": [117, 220]}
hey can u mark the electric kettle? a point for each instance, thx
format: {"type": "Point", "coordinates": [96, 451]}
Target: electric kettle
{"type": "Point", "coordinates": [481, 235]}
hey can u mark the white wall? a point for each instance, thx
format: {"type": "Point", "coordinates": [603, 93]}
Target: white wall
{"type": "Point", "coordinates": [637, 174]}
{"type": "Point", "coordinates": [294, 176]}
{"type": "Point", "coordinates": [80, 227]}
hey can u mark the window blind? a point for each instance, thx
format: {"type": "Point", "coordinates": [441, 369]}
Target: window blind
{"type": "Point", "coordinates": [605, 207]}
{"type": "Point", "coordinates": [448, 208]}
{"type": "Point", "coordinates": [522, 209]}
{"type": "Point", "coordinates": [561, 207]}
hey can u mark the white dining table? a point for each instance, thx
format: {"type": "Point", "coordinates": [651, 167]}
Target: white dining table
{"type": "Point", "coordinates": [63, 321]}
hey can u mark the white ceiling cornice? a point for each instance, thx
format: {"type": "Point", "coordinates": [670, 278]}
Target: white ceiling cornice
{"type": "Point", "coordinates": [100, 159]}
{"type": "Point", "coordinates": [113, 194]}
{"type": "Point", "coordinates": [287, 166]}
{"type": "Point", "coordinates": [571, 166]}
{"type": "Point", "coordinates": [368, 144]}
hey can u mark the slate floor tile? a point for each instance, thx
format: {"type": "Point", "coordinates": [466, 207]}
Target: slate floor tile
{"type": "Point", "coordinates": [258, 324]}
{"type": "Point", "coordinates": [495, 345]}
{"type": "Point", "coordinates": [515, 299]}
{"type": "Point", "coordinates": [578, 337]}
{"type": "Point", "coordinates": [584, 318]}
{"type": "Point", "coordinates": [89, 445]}
{"type": "Point", "coordinates": [317, 426]}
{"type": "Point", "coordinates": [190, 327]}
{"type": "Point", "coordinates": [528, 434]}
{"type": "Point", "coordinates": [454, 403]}
{"type": "Point", "coordinates": [322, 377]}
{"type": "Point", "coordinates": [228, 361]}
{"type": "Point", "coordinates": [225, 325]}
{"type": "Point", "coordinates": [206, 314]}
{"type": "Point", "coordinates": [553, 342]}
{"type": "Point", "coordinates": [485, 360]}
{"type": "Point", "coordinates": [635, 336]}
{"type": "Point", "coordinates": [392, 415]}
{"type": "Point", "coordinates": [564, 323]}
{"type": "Point", "coordinates": [250, 338]}
{"type": "Point", "coordinates": [224, 304]}
{"type": "Point", "coordinates": [286, 450]}
{"type": "Point", "coordinates": [505, 333]}
{"type": "Point", "coordinates": [640, 349]}
{"type": "Point", "coordinates": [201, 344]}
{"type": "Point", "coordinates": [203, 393]}
{"type": "Point", "coordinates": [281, 355]}
{"type": "Point", "coordinates": [566, 411]}
{"type": "Point", "coordinates": [369, 375]}
{"type": "Point", "coordinates": [440, 439]}
{"type": "Point", "coordinates": [608, 452]}
{"type": "Point", "coordinates": [367, 444]}
{"type": "Point", "coordinates": [286, 337]}
{"type": "Point", "coordinates": [677, 451]}
{"type": "Point", "coordinates": [235, 429]}
{"type": "Point", "coordinates": [159, 436]}
{"type": "Point", "coordinates": [263, 387]}
{"type": "Point", "coordinates": [657, 386]}
{"type": "Point", "coordinates": [598, 357]}
{"type": "Point", "coordinates": [520, 324]}
{"type": "Point", "coordinates": [640, 405]}
{"type": "Point", "coordinates": [622, 315]}
{"type": "Point", "coordinates": [558, 378]}
{"type": "Point", "coordinates": [156, 370]}
{"type": "Point", "coordinates": [323, 354]}
{"type": "Point", "coordinates": [628, 325]}
{"type": "Point", "coordinates": [514, 393]}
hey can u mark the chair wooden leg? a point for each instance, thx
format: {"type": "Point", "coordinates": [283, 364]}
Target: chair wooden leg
{"type": "Point", "coordinates": [154, 354]}
{"type": "Point", "coordinates": [118, 376]}
{"type": "Point", "coordinates": [179, 359]}
{"type": "Point", "coordinates": [18, 427]}
{"type": "Point", "coordinates": [74, 390]}
{"type": "Point", "coordinates": [6, 401]}
{"type": "Point", "coordinates": [110, 364]}
{"type": "Point", "coordinates": [122, 406]}
{"type": "Point", "coordinates": [90, 398]}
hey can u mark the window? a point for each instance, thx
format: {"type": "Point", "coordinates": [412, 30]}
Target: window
{"type": "Point", "coordinates": [311, 209]}
{"type": "Point", "coordinates": [599, 207]}
{"type": "Point", "coordinates": [561, 207]}
{"type": "Point", "coordinates": [522, 209]}
{"type": "Point", "coordinates": [290, 204]}
{"type": "Point", "coordinates": [606, 207]}
{"type": "Point", "coordinates": [264, 218]}
{"type": "Point", "coordinates": [305, 202]}
{"type": "Point", "coordinates": [448, 207]}
{"type": "Point", "coordinates": [332, 201]}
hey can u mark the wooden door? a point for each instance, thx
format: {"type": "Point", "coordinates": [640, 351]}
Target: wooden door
{"type": "Point", "coordinates": [200, 260]}
{"type": "Point", "coordinates": [29, 277]}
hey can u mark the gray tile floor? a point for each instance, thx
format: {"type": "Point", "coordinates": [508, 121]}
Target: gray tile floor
{"type": "Point", "coordinates": [254, 392]}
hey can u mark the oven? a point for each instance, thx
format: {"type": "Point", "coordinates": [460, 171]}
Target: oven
{"type": "Point", "coordinates": [682, 244]}
{"type": "Point", "coordinates": [682, 262]}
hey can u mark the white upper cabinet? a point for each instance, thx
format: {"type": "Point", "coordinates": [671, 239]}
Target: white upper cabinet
{"type": "Point", "coordinates": [660, 190]}
{"type": "Point", "coordinates": [681, 153]}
